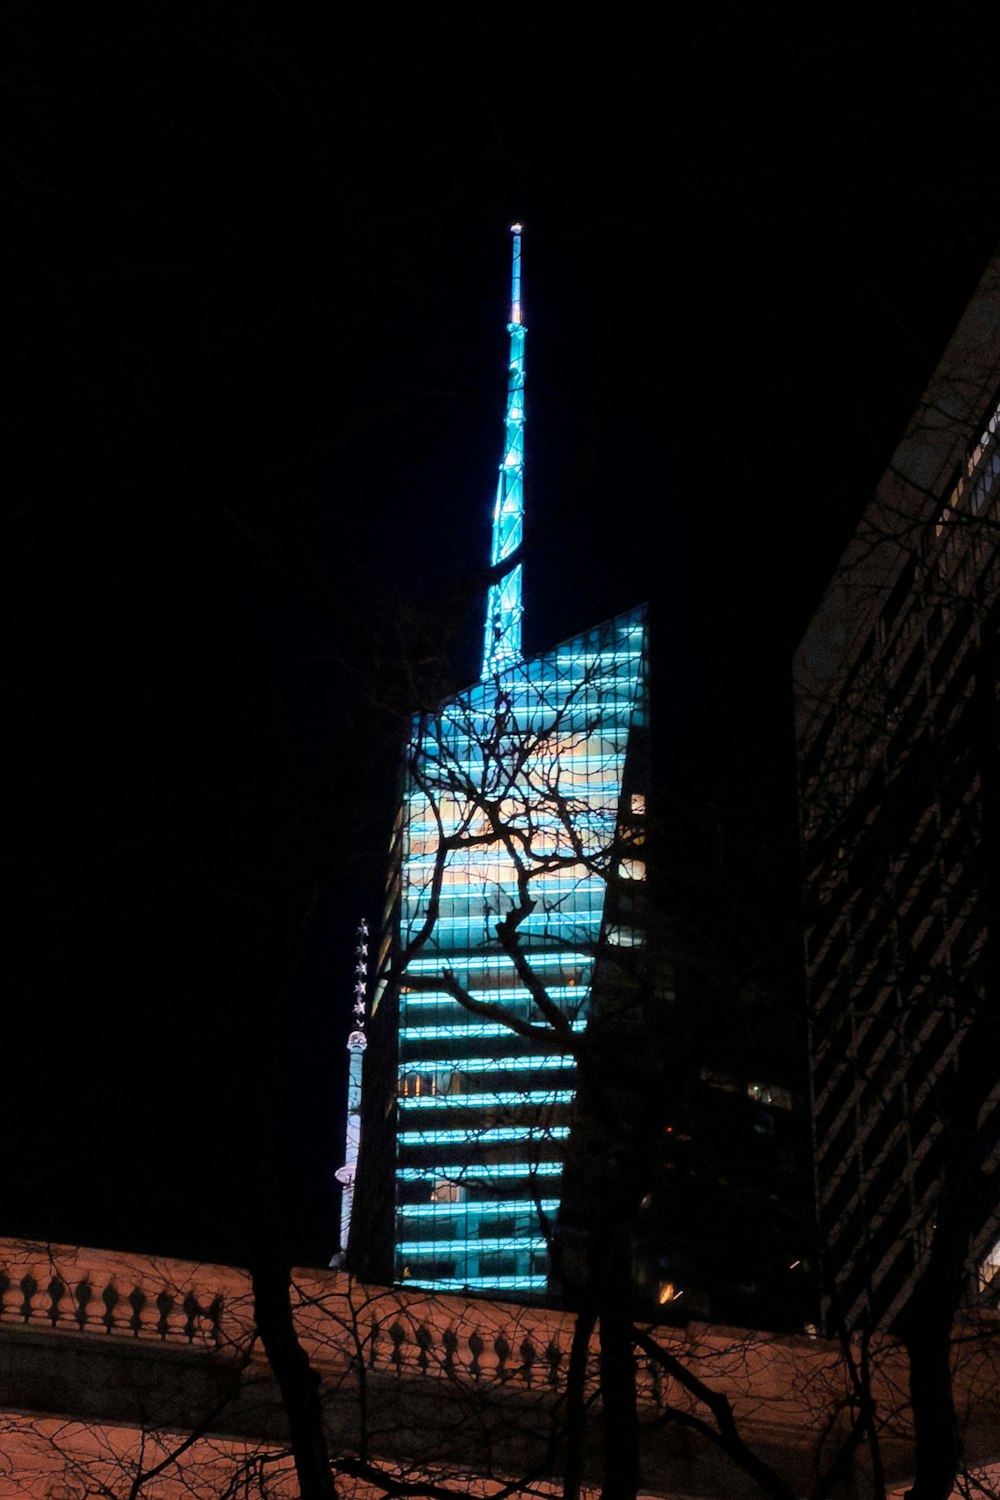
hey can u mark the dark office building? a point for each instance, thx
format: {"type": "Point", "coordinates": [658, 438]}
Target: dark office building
{"type": "Point", "coordinates": [899, 737]}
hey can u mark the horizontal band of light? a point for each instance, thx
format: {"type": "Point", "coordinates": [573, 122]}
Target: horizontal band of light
{"type": "Point", "coordinates": [532, 708]}
{"type": "Point", "coordinates": [536, 797]}
{"type": "Point", "coordinates": [464, 762]}
{"type": "Point", "coordinates": [461, 750]}
{"type": "Point", "coordinates": [483, 1137]}
{"type": "Point", "coordinates": [581, 909]}
{"type": "Point", "coordinates": [586, 839]}
{"type": "Point", "coordinates": [488, 1099]}
{"type": "Point", "coordinates": [501, 1206]}
{"type": "Point", "coordinates": [484, 1283]}
{"type": "Point", "coordinates": [457, 1175]}
{"type": "Point", "coordinates": [537, 816]}
{"type": "Point", "coordinates": [555, 790]}
{"type": "Point", "coordinates": [597, 658]}
{"type": "Point", "coordinates": [577, 809]}
{"type": "Point", "coordinates": [543, 885]}
{"type": "Point", "coordinates": [557, 917]}
{"type": "Point", "coordinates": [499, 997]}
{"type": "Point", "coordinates": [540, 1062]}
{"type": "Point", "coordinates": [475, 1029]}
{"type": "Point", "coordinates": [495, 963]}
{"type": "Point", "coordinates": [587, 904]}
{"type": "Point", "coordinates": [571, 716]}
{"type": "Point", "coordinates": [472, 1248]}
{"type": "Point", "coordinates": [561, 791]}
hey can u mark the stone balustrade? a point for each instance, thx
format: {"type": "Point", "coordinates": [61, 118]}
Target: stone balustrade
{"type": "Point", "coordinates": [408, 1334]}
{"type": "Point", "coordinates": [109, 1337]}
{"type": "Point", "coordinates": [417, 1334]}
{"type": "Point", "coordinates": [67, 1290]}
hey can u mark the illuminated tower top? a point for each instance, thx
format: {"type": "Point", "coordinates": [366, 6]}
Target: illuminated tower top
{"type": "Point", "coordinates": [504, 604]}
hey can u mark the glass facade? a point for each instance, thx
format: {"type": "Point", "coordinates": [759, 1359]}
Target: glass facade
{"type": "Point", "coordinates": [513, 818]}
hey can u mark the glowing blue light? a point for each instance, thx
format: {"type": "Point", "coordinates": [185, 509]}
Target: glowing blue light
{"type": "Point", "coordinates": [481, 1283]}
{"type": "Point", "coordinates": [475, 1030]}
{"type": "Point", "coordinates": [488, 1099]}
{"type": "Point", "coordinates": [541, 964]}
{"type": "Point", "coordinates": [504, 605]}
{"type": "Point", "coordinates": [476, 1172]}
{"type": "Point", "coordinates": [477, 1135]}
{"type": "Point", "coordinates": [570, 715]}
{"type": "Point", "coordinates": [482, 1245]}
{"type": "Point", "coordinates": [530, 1064]}
{"type": "Point", "coordinates": [524, 774]}
{"type": "Point", "coordinates": [500, 1208]}
{"type": "Point", "coordinates": [511, 997]}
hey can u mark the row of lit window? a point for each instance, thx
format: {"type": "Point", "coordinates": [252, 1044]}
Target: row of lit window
{"type": "Point", "coordinates": [489, 963]}
{"type": "Point", "coordinates": [481, 1283]}
{"type": "Point", "coordinates": [560, 878]}
{"type": "Point", "coordinates": [472, 1248]}
{"type": "Point", "coordinates": [535, 808]}
{"type": "Point", "coordinates": [533, 715]}
{"type": "Point", "coordinates": [585, 836]}
{"type": "Point", "coordinates": [487, 891]}
{"type": "Point", "coordinates": [446, 927]}
{"type": "Point", "coordinates": [538, 813]}
{"type": "Point", "coordinates": [469, 1030]}
{"type": "Point", "coordinates": [488, 1099]}
{"type": "Point", "coordinates": [448, 1067]}
{"type": "Point", "coordinates": [552, 811]}
{"type": "Point", "coordinates": [543, 887]}
{"type": "Point", "coordinates": [503, 1207]}
{"type": "Point", "coordinates": [478, 1136]}
{"type": "Point", "coordinates": [476, 1172]}
{"type": "Point", "coordinates": [586, 748]}
{"type": "Point", "coordinates": [417, 999]}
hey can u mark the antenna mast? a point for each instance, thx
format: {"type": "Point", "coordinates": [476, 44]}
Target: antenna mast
{"type": "Point", "coordinates": [356, 1044]}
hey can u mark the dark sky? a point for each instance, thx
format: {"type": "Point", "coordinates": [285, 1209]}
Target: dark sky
{"type": "Point", "coordinates": [255, 345]}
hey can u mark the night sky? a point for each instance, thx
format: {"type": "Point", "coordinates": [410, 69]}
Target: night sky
{"type": "Point", "coordinates": [255, 308]}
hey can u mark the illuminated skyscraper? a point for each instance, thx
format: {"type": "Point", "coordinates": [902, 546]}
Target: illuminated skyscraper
{"type": "Point", "coordinates": [522, 808]}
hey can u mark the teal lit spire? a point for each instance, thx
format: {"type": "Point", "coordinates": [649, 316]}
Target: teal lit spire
{"type": "Point", "coordinates": [503, 604]}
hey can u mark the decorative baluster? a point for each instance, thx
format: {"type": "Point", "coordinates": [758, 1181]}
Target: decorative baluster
{"type": "Point", "coordinates": [4, 1288]}
{"type": "Point", "coordinates": [476, 1347]}
{"type": "Point", "coordinates": [29, 1286]}
{"type": "Point", "coordinates": [137, 1301]}
{"type": "Point", "coordinates": [425, 1342]}
{"type": "Point", "coordinates": [56, 1290]}
{"type": "Point", "coordinates": [82, 1298]}
{"type": "Point", "coordinates": [553, 1358]}
{"type": "Point", "coordinates": [191, 1311]}
{"type": "Point", "coordinates": [374, 1339]}
{"type": "Point", "coordinates": [110, 1299]}
{"type": "Point", "coordinates": [449, 1339]}
{"type": "Point", "coordinates": [397, 1334]}
{"type": "Point", "coordinates": [214, 1319]}
{"type": "Point", "coordinates": [528, 1357]}
{"type": "Point", "coordinates": [164, 1306]}
{"type": "Point", "coordinates": [502, 1351]}
{"type": "Point", "coordinates": [177, 1319]}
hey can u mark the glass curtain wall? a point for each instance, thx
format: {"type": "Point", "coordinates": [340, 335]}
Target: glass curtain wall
{"type": "Point", "coordinates": [509, 831]}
